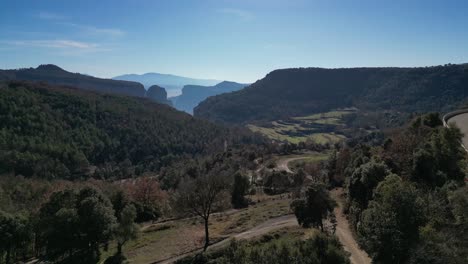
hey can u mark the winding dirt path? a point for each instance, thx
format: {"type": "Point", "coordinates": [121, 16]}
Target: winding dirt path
{"type": "Point", "coordinates": [262, 229]}
{"type": "Point", "coordinates": [343, 231]}
{"type": "Point", "coordinates": [282, 164]}
{"type": "Point", "coordinates": [344, 234]}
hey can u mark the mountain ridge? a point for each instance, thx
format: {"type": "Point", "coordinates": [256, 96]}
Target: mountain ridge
{"type": "Point", "coordinates": [55, 75]}
{"type": "Point", "coordinates": [301, 91]}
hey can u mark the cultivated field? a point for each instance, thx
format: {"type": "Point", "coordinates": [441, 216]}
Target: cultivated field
{"type": "Point", "coordinates": [321, 128]}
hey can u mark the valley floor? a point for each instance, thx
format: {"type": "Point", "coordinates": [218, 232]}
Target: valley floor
{"type": "Point", "coordinates": [170, 241]}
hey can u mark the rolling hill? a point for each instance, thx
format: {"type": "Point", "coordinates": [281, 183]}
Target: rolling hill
{"type": "Point", "coordinates": [62, 132]}
{"type": "Point", "coordinates": [303, 91]}
{"type": "Point", "coordinates": [55, 75]}
{"type": "Point", "coordinates": [192, 95]}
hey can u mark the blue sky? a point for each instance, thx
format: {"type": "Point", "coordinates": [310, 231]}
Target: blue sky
{"type": "Point", "coordinates": [240, 40]}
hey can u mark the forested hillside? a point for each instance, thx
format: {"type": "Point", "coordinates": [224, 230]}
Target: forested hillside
{"type": "Point", "coordinates": [59, 132]}
{"type": "Point", "coordinates": [55, 75]}
{"type": "Point", "coordinates": [302, 91]}
{"type": "Point", "coordinates": [407, 197]}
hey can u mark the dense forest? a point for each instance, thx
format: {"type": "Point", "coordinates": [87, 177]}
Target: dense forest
{"type": "Point", "coordinates": [55, 75]}
{"type": "Point", "coordinates": [406, 196]}
{"type": "Point", "coordinates": [57, 132]}
{"type": "Point", "coordinates": [302, 91]}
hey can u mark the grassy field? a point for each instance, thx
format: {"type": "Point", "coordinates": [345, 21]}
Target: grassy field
{"type": "Point", "coordinates": [164, 240]}
{"type": "Point", "coordinates": [313, 158]}
{"type": "Point", "coordinates": [321, 128]}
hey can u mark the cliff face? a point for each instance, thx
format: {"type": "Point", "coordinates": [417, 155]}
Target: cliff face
{"type": "Point", "coordinates": [192, 95]}
{"type": "Point", "coordinates": [158, 94]}
{"type": "Point", "coordinates": [55, 75]}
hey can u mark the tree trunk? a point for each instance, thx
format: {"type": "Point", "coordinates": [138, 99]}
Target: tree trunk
{"type": "Point", "coordinates": [119, 248]}
{"type": "Point", "coordinates": [207, 237]}
{"type": "Point", "coordinates": [8, 256]}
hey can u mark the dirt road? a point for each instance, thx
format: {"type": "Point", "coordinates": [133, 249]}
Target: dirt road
{"type": "Point", "coordinates": [262, 229]}
{"type": "Point", "coordinates": [282, 164]}
{"type": "Point", "coordinates": [344, 234]}
{"type": "Point", "coordinates": [343, 231]}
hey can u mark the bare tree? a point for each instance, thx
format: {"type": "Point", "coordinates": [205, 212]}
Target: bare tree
{"type": "Point", "coordinates": [202, 196]}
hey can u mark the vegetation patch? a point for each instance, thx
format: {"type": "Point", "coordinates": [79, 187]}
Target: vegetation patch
{"type": "Point", "coordinates": [279, 247]}
{"type": "Point", "coordinates": [321, 128]}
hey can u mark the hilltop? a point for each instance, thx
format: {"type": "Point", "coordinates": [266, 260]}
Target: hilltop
{"type": "Point", "coordinates": [55, 75]}
{"type": "Point", "coordinates": [303, 91]}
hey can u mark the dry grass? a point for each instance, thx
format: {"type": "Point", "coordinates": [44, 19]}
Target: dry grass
{"type": "Point", "coordinates": [161, 241]}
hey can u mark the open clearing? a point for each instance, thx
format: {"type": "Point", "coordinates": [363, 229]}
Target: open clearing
{"type": "Point", "coordinates": [321, 128]}
{"type": "Point", "coordinates": [169, 241]}
{"type": "Point", "coordinates": [163, 241]}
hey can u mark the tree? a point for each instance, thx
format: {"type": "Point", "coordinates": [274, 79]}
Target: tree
{"type": "Point", "coordinates": [432, 120]}
{"type": "Point", "coordinates": [202, 196]}
{"type": "Point", "coordinates": [72, 224]}
{"type": "Point", "coordinates": [126, 228]}
{"type": "Point", "coordinates": [425, 168]}
{"type": "Point", "coordinates": [389, 226]}
{"type": "Point", "coordinates": [364, 179]}
{"type": "Point", "coordinates": [15, 234]}
{"type": "Point", "coordinates": [459, 205]}
{"type": "Point", "coordinates": [299, 178]}
{"type": "Point", "coordinates": [149, 199]}
{"type": "Point", "coordinates": [315, 205]}
{"type": "Point", "coordinates": [239, 189]}
{"type": "Point", "coordinates": [448, 154]}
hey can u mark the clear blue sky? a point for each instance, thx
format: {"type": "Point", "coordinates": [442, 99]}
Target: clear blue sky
{"type": "Point", "coordinates": [240, 40]}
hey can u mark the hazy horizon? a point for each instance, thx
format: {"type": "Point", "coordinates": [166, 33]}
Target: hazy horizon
{"type": "Point", "coordinates": [230, 40]}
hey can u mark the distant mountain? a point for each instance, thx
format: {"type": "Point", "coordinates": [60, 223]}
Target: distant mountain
{"type": "Point", "coordinates": [192, 95]}
{"type": "Point", "coordinates": [303, 91]}
{"type": "Point", "coordinates": [172, 83]}
{"type": "Point", "coordinates": [158, 94]}
{"type": "Point", "coordinates": [55, 75]}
